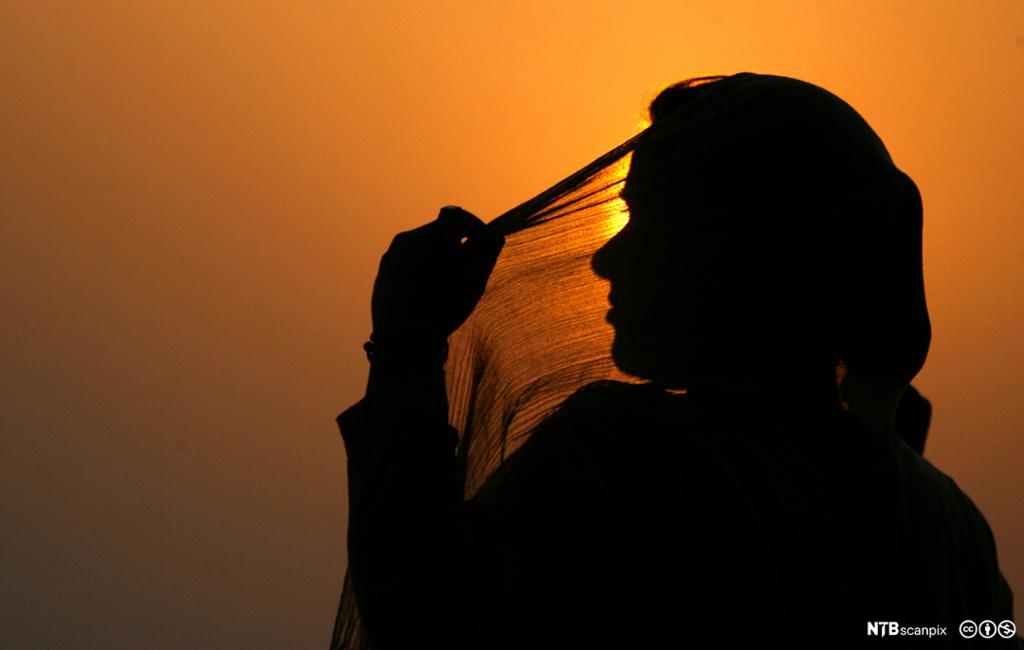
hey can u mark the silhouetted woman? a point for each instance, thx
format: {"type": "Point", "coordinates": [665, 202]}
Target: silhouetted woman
{"type": "Point", "coordinates": [753, 492]}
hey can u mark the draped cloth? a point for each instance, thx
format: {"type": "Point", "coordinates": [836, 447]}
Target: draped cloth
{"type": "Point", "coordinates": [533, 387]}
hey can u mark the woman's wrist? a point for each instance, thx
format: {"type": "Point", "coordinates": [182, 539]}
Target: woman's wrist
{"type": "Point", "coordinates": [407, 372]}
{"type": "Point", "coordinates": [407, 345]}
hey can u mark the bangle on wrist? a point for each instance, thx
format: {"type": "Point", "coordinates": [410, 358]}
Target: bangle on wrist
{"type": "Point", "coordinates": [412, 343]}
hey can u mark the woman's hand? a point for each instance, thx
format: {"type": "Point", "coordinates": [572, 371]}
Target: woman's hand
{"type": "Point", "coordinates": [434, 275]}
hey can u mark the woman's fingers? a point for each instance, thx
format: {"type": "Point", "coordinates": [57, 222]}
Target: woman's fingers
{"type": "Point", "coordinates": [480, 242]}
{"type": "Point", "coordinates": [437, 272]}
{"type": "Point", "coordinates": [460, 222]}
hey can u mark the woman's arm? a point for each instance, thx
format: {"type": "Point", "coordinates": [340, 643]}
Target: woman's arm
{"type": "Point", "coordinates": [411, 538]}
{"type": "Point", "coordinates": [405, 546]}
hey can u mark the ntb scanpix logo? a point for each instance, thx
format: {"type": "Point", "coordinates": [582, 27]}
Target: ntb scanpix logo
{"type": "Point", "coordinates": [892, 628]}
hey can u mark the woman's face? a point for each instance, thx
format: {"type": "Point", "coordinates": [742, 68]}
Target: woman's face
{"type": "Point", "coordinates": [675, 301]}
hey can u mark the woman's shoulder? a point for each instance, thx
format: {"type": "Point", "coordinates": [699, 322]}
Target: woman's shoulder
{"type": "Point", "coordinates": [632, 427]}
{"type": "Point", "coordinates": [610, 401]}
{"type": "Point", "coordinates": [931, 490]}
{"type": "Point", "coordinates": [592, 412]}
{"type": "Point", "coordinates": [615, 388]}
{"type": "Point", "coordinates": [585, 431]}
{"type": "Point", "coordinates": [941, 515]}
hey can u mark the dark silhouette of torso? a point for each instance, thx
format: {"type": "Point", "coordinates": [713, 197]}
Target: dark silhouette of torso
{"type": "Point", "coordinates": [638, 518]}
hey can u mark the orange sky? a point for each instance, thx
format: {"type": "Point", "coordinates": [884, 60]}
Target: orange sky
{"type": "Point", "coordinates": [195, 199]}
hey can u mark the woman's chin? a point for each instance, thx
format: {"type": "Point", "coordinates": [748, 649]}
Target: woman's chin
{"type": "Point", "coordinates": [641, 361]}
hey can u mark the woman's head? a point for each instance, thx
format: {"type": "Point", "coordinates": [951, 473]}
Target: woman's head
{"type": "Point", "coordinates": [770, 235]}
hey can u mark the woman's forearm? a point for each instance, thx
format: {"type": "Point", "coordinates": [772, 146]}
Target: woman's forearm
{"type": "Point", "coordinates": [406, 517]}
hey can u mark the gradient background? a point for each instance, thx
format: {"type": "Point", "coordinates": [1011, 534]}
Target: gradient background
{"type": "Point", "coordinates": [195, 196]}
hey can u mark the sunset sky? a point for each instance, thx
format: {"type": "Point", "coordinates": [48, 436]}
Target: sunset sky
{"type": "Point", "coordinates": [195, 196]}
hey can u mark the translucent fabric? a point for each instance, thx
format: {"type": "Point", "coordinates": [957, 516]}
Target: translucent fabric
{"type": "Point", "coordinates": [539, 334]}
{"type": "Point", "coordinates": [504, 379]}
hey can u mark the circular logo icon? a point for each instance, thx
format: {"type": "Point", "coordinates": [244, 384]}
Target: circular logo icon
{"type": "Point", "coordinates": [1007, 629]}
{"type": "Point", "coordinates": [986, 629]}
{"type": "Point", "coordinates": [968, 629]}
